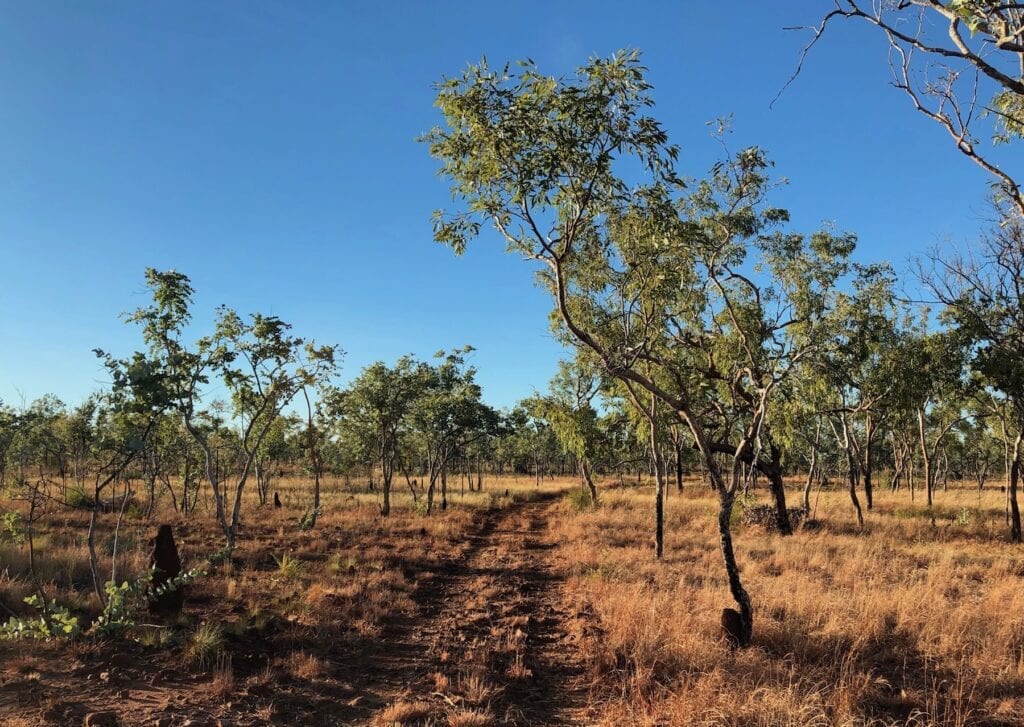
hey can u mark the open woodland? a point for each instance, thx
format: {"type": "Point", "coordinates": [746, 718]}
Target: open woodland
{"type": "Point", "coordinates": [769, 484]}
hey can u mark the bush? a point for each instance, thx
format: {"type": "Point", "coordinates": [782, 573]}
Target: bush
{"type": "Point", "coordinates": [12, 530]}
{"type": "Point", "coordinates": [78, 499]}
{"type": "Point", "coordinates": [288, 566]}
{"type": "Point", "coordinates": [580, 500]}
{"type": "Point", "coordinates": [53, 621]}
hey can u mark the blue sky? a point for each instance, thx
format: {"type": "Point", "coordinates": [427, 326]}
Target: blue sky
{"type": "Point", "coordinates": [267, 149]}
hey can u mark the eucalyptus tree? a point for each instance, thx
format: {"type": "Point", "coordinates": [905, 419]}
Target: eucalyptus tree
{"type": "Point", "coordinates": [125, 418]}
{"type": "Point", "coordinates": [569, 409]}
{"type": "Point", "coordinates": [858, 373]}
{"type": "Point", "coordinates": [532, 444]}
{"type": "Point", "coordinates": [982, 294]}
{"type": "Point", "coordinates": [276, 448]}
{"type": "Point", "coordinates": [257, 360]}
{"type": "Point", "coordinates": [932, 374]}
{"type": "Point", "coordinates": [8, 430]}
{"type": "Point", "coordinates": [650, 274]}
{"type": "Point", "coordinates": [447, 415]}
{"type": "Point", "coordinates": [373, 415]}
{"type": "Point", "coordinates": [77, 430]}
{"type": "Point", "coordinates": [650, 422]}
{"type": "Point", "coordinates": [975, 450]}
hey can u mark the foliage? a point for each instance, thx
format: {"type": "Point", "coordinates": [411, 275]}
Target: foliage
{"type": "Point", "coordinates": [288, 566]}
{"type": "Point", "coordinates": [580, 500]}
{"type": "Point", "coordinates": [54, 621]}
{"type": "Point", "coordinates": [12, 527]}
{"type": "Point", "coordinates": [308, 519]}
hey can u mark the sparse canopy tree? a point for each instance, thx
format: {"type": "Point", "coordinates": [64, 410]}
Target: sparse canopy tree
{"type": "Point", "coordinates": [448, 415]}
{"type": "Point", "coordinates": [574, 174]}
{"type": "Point", "coordinates": [257, 359]}
{"type": "Point", "coordinates": [983, 298]}
{"type": "Point", "coordinates": [373, 414]}
{"type": "Point", "coordinates": [570, 411]}
{"type": "Point", "coordinates": [858, 372]}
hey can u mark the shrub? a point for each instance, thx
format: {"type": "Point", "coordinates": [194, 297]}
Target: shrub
{"type": "Point", "coordinates": [78, 499]}
{"type": "Point", "coordinates": [580, 500]}
{"type": "Point", "coordinates": [12, 530]}
{"type": "Point", "coordinates": [53, 621]}
{"type": "Point", "coordinates": [204, 645]}
{"type": "Point", "coordinates": [288, 566]}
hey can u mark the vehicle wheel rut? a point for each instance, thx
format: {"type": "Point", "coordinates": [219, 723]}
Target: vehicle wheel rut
{"type": "Point", "coordinates": [492, 633]}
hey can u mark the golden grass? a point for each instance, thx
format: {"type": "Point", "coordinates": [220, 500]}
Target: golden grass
{"type": "Point", "coordinates": [402, 713]}
{"type": "Point", "coordinates": [905, 623]}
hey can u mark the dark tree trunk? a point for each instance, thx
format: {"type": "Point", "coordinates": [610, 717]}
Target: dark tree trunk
{"type": "Point", "coordinates": [852, 476]}
{"type": "Point", "coordinates": [739, 594]}
{"type": "Point", "coordinates": [1015, 531]}
{"type": "Point", "coordinates": [679, 467]}
{"type": "Point", "coordinates": [778, 489]}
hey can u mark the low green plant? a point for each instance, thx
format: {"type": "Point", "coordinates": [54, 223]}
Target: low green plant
{"type": "Point", "coordinates": [78, 499]}
{"type": "Point", "coordinates": [124, 601]}
{"type": "Point", "coordinates": [580, 500]}
{"type": "Point", "coordinates": [54, 621]}
{"type": "Point", "coordinates": [12, 529]}
{"type": "Point", "coordinates": [152, 636]}
{"type": "Point", "coordinates": [220, 556]}
{"type": "Point", "coordinates": [288, 566]}
{"type": "Point", "coordinates": [308, 519]}
{"type": "Point", "coordinates": [204, 645]}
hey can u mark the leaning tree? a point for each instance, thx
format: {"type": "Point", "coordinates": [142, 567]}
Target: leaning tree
{"type": "Point", "coordinates": [654, 275]}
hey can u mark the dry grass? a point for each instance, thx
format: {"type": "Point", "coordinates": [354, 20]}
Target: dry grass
{"type": "Point", "coordinates": [471, 718]}
{"type": "Point", "coordinates": [402, 713]}
{"type": "Point", "coordinates": [905, 623]}
{"type": "Point", "coordinates": [305, 666]}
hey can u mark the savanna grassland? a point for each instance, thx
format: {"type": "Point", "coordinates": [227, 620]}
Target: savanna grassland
{"type": "Point", "coordinates": [523, 604]}
{"type": "Point", "coordinates": [226, 534]}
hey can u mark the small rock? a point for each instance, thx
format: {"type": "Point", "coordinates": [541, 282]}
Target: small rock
{"type": "Point", "coordinates": [102, 719]}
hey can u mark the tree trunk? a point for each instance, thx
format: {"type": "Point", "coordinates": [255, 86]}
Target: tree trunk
{"type": "Point", "coordinates": [385, 507]}
{"type": "Point", "coordinates": [928, 475]}
{"type": "Point", "coordinates": [732, 570]}
{"type": "Point", "coordinates": [585, 469]}
{"type": "Point", "coordinates": [1015, 532]}
{"type": "Point", "coordinates": [869, 440]}
{"type": "Point", "coordinates": [778, 490]}
{"type": "Point", "coordinates": [679, 468]}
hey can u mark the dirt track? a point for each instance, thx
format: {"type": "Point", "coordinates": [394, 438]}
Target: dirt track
{"type": "Point", "coordinates": [493, 623]}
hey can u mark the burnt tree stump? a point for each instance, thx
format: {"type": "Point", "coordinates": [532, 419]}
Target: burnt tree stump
{"type": "Point", "coordinates": [277, 500]}
{"type": "Point", "coordinates": [164, 558]}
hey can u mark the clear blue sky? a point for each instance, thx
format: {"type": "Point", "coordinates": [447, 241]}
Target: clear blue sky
{"type": "Point", "coordinates": [267, 150]}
